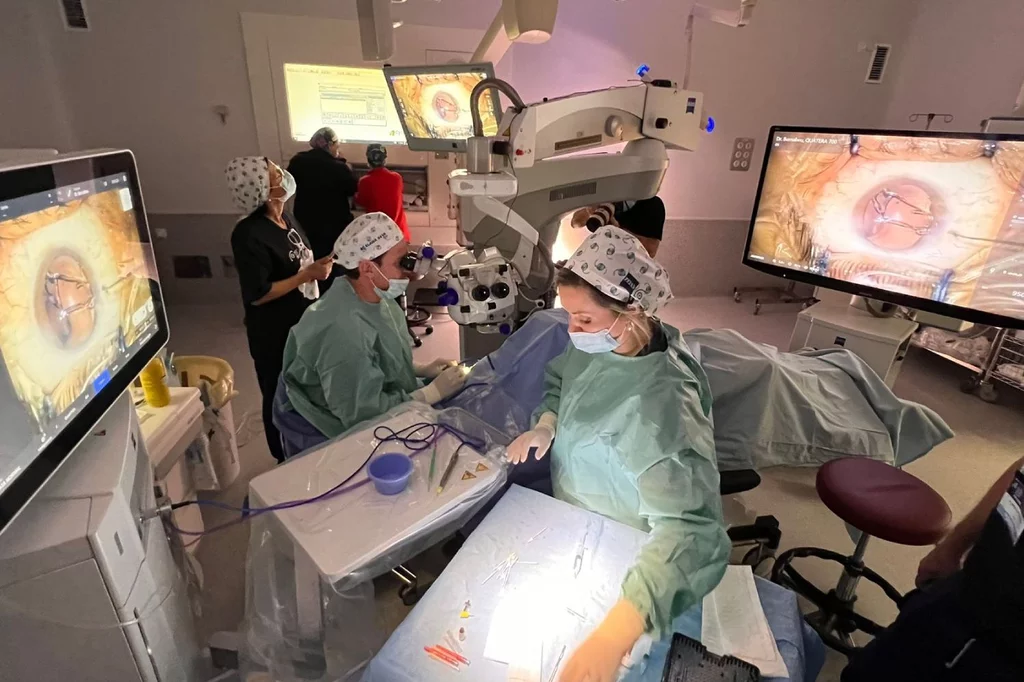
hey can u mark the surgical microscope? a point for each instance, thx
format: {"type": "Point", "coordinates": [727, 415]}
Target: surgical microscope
{"type": "Point", "coordinates": [518, 184]}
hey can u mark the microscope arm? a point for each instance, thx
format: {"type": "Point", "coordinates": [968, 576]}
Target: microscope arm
{"type": "Point", "coordinates": [587, 121]}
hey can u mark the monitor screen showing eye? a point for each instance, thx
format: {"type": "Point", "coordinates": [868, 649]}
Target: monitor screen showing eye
{"type": "Point", "coordinates": [928, 220]}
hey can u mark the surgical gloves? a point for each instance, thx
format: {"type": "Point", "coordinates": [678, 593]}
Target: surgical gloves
{"type": "Point", "coordinates": [432, 370]}
{"type": "Point", "coordinates": [536, 442]}
{"type": "Point", "coordinates": [448, 383]}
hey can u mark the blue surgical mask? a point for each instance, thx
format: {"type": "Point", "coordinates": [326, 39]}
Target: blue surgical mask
{"type": "Point", "coordinates": [595, 342]}
{"type": "Point", "coordinates": [396, 287]}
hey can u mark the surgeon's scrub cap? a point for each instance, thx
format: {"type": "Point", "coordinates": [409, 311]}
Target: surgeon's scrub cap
{"type": "Point", "coordinates": [368, 236]}
{"type": "Point", "coordinates": [615, 263]}
{"type": "Point", "coordinates": [249, 181]}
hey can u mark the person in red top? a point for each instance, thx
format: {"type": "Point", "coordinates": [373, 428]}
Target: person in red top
{"type": "Point", "coordinates": [381, 189]}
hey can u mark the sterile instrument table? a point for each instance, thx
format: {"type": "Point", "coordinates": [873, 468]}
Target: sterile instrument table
{"type": "Point", "coordinates": [348, 535]}
{"type": "Point", "coordinates": [547, 535]}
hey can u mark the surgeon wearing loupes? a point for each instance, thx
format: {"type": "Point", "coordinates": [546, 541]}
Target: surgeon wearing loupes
{"type": "Point", "coordinates": [626, 417]}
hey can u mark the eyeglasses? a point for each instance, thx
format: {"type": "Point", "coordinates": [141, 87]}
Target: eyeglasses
{"type": "Point", "coordinates": [295, 240]}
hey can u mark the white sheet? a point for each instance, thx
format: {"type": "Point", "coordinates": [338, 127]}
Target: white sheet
{"type": "Point", "coordinates": [734, 624]}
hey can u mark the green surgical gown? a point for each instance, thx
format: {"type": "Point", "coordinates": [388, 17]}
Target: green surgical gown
{"type": "Point", "coordinates": [347, 360]}
{"type": "Point", "coordinates": [635, 443]}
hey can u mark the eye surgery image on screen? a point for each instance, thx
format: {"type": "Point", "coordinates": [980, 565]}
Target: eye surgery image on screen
{"type": "Point", "coordinates": [436, 105]}
{"type": "Point", "coordinates": [75, 298]}
{"type": "Point", "coordinates": [939, 218]}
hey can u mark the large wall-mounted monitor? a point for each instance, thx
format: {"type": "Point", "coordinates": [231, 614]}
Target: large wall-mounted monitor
{"type": "Point", "coordinates": [928, 220]}
{"type": "Point", "coordinates": [353, 101]}
{"type": "Point", "coordinates": [80, 308]}
{"type": "Point", "coordinates": [433, 104]}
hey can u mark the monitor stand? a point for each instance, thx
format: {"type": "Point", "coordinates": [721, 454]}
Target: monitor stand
{"type": "Point", "coordinates": [88, 590]}
{"type": "Point", "coordinates": [875, 308]}
{"type": "Point", "coordinates": [923, 318]}
{"type": "Point", "coordinates": [882, 342]}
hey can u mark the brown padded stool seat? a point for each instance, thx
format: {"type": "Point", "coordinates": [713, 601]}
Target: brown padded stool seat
{"type": "Point", "coordinates": [883, 501]}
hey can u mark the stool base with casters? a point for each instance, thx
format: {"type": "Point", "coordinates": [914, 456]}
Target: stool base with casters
{"type": "Point", "coordinates": [835, 620]}
{"type": "Point", "coordinates": [763, 535]}
{"type": "Point", "coordinates": [880, 501]}
{"type": "Point", "coordinates": [410, 591]}
{"type": "Point", "coordinates": [415, 316]}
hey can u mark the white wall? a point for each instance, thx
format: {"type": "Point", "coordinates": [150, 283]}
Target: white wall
{"type": "Point", "coordinates": [962, 58]}
{"type": "Point", "coordinates": [33, 113]}
{"type": "Point", "coordinates": [149, 73]}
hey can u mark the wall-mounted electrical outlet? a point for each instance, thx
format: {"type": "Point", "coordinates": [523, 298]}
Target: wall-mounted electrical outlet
{"type": "Point", "coordinates": [742, 154]}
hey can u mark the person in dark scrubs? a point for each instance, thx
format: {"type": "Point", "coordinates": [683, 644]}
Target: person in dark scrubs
{"type": "Point", "coordinates": [276, 270]}
{"type": "Point", "coordinates": [324, 186]}
{"type": "Point", "coordinates": [643, 218]}
{"type": "Point", "coordinates": [966, 622]}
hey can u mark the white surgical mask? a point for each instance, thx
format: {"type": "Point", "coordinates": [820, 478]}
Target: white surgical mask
{"type": "Point", "coordinates": [396, 287]}
{"type": "Point", "coordinates": [595, 342]}
{"type": "Point", "coordinates": [287, 184]}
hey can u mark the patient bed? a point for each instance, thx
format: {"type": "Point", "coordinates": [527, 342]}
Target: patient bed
{"type": "Point", "coordinates": [770, 408]}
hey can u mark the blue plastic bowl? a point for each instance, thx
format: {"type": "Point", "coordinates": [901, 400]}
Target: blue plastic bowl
{"type": "Point", "coordinates": [390, 473]}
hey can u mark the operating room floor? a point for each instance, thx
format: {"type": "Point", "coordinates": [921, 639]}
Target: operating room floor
{"type": "Point", "coordinates": [988, 440]}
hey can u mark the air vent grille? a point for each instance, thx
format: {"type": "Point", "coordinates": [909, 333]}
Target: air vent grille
{"type": "Point", "coordinates": [879, 59]}
{"type": "Point", "coordinates": [74, 15]}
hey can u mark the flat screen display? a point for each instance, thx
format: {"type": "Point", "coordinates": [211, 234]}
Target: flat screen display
{"type": "Point", "coordinates": [933, 221]}
{"type": "Point", "coordinates": [353, 101]}
{"type": "Point", "coordinates": [81, 309]}
{"type": "Point", "coordinates": [433, 104]}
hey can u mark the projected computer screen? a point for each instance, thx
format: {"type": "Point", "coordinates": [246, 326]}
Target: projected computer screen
{"type": "Point", "coordinates": [928, 220]}
{"type": "Point", "coordinates": [433, 104]}
{"type": "Point", "coordinates": [354, 101]}
{"type": "Point", "coordinates": [80, 306]}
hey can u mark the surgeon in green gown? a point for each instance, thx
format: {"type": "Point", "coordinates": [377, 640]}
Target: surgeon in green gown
{"type": "Point", "coordinates": [349, 358]}
{"type": "Point", "coordinates": [627, 418]}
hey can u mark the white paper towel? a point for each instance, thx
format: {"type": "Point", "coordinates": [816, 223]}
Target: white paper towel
{"type": "Point", "coordinates": [734, 623]}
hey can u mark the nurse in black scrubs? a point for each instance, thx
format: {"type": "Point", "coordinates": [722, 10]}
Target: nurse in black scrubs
{"type": "Point", "coordinates": [276, 271]}
{"type": "Point", "coordinates": [644, 219]}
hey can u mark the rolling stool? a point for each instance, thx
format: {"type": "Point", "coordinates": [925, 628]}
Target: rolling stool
{"type": "Point", "coordinates": [881, 501]}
